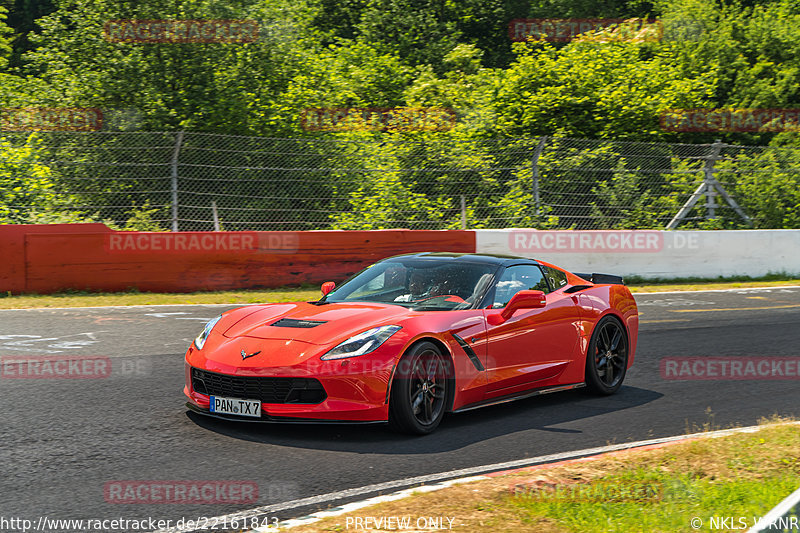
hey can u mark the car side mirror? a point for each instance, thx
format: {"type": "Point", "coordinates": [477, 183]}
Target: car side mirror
{"type": "Point", "coordinates": [521, 300]}
{"type": "Point", "coordinates": [327, 287]}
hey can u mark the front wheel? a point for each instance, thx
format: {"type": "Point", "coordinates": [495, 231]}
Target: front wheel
{"type": "Point", "coordinates": [607, 357]}
{"type": "Point", "coordinates": [419, 390]}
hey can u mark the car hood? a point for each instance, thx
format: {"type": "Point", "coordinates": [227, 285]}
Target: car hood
{"type": "Point", "coordinates": [314, 324]}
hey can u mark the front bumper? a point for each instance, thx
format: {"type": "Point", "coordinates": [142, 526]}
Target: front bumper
{"type": "Point", "coordinates": [355, 390]}
{"type": "Point", "coordinates": [276, 419]}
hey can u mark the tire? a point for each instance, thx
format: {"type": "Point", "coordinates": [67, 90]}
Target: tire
{"type": "Point", "coordinates": [607, 357]}
{"type": "Point", "coordinates": [419, 390]}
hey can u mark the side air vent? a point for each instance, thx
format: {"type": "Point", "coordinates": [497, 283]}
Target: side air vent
{"type": "Point", "coordinates": [577, 288]}
{"type": "Point", "coordinates": [294, 323]}
{"type": "Point", "coordinates": [476, 361]}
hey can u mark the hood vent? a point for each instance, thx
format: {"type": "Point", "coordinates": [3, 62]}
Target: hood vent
{"type": "Point", "coordinates": [294, 323]}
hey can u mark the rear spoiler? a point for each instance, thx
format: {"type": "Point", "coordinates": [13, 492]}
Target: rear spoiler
{"type": "Point", "coordinates": [602, 279]}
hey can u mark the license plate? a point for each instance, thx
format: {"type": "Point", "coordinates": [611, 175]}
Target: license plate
{"type": "Point", "coordinates": [235, 406]}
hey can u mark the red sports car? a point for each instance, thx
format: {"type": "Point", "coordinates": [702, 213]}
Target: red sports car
{"type": "Point", "coordinates": [412, 337]}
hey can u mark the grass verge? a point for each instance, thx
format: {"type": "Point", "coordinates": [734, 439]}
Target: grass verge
{"type": "Point", "coordinates": [88, 299]}
{"type": "Point", "coordinates": [697, 284]}
{"type": "Point", "coordinates": [312, 292]}
{"type": "Point", "coordinates": [742, 475]}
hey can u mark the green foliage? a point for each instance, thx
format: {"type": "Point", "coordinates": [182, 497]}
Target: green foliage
{"type": "Point", "coordinates": [5, 42]}
{"type": "Point", "coordinates": [374, 53]}
{"type": "Point", "coordinates": [680, 496]}
{"type": "Point", "coordinates": [28, 194]}
{"type": "Point", "coordinates": [594, 87]}
{"type": "Point", "coordinates": [389, 195]}
{"type": "Point", "coordinates": [417, 29]}
{"type": "Point", "coordinates": [422, 53]}
{"type": "Point", "coordinates": [767, 187]}
{"type": "Point", "coordinates": [625, 203]}
{"type": "Point", "coordinates": [387, 198]}
{"type": "Point", "coordinates": [141, 219]}
{"type": "Point", "coordinates": [193, 86]}
{"type": "Point", "coordinates": [354, 74]}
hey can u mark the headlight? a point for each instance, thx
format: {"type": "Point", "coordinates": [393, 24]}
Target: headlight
{"type": "Point", "coordinates": [361, 344]}
{"type": "Point", "coordinates": [201, 339]}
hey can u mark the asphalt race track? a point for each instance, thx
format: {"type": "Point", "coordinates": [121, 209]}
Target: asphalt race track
{"type": "Point", "coordinates": [63, 440]}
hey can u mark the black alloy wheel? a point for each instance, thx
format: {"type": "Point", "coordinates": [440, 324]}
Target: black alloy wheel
{"type": "Point", "coordinates": [419, 390]}
{"type": "Point", "coordinates": [607, 357]}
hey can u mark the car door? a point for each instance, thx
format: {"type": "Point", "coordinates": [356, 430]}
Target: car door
{"type": "Point", "coordinates": [534, 345]}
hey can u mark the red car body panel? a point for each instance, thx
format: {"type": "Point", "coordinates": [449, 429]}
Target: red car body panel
{"type": "Point", "coordinates": [534, 349]}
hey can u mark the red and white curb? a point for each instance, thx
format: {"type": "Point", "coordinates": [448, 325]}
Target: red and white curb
{"type": "Point", "coordinates": [443, 480]}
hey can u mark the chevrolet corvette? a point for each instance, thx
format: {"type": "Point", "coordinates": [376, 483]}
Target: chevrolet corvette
{"type": "Point", "coordinates": [413, 337]}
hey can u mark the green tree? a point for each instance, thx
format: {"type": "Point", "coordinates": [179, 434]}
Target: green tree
{"type": "Point", "coordinates": [222, 87]}
{"type": "Point", "coordinates": [28, 192]}
{"type": "Point", "coordinates": [599, 86]}
{"type": "Point", "coordinates": [22, 15]}
{"type": "Point", "coordinates": [353, 74]}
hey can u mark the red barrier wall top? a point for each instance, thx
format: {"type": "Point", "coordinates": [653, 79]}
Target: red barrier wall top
{"type": "Point", "coordinates": [50, 258]}
{"type": "Point", "coordinates": [13, 272]}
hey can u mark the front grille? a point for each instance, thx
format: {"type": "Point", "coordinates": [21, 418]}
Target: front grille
{"type": "Point", "coordinates": [266, 389]}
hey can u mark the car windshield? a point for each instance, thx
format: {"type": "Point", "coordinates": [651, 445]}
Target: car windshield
{"type": "Point", "coordinates": [421, 284]}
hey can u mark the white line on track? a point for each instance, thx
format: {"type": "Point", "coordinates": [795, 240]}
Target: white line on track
{"type": "Point", "coordinates": [355, 506]}
{"type": "Point", "coordinates": [452, 474]}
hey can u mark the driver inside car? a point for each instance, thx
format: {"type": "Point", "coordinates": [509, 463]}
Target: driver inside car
{"type": "Point", "coordinates": [420, 286]}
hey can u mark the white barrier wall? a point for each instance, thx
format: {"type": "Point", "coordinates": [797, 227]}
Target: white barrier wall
{"type": "Point", "coordinates": [653, 254]}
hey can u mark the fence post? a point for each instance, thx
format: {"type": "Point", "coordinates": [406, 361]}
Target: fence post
{"type": "Point", "coordinates": [174, 165]}
{"type": "Point", "coordinates": [463, 213]}
{"type": "Point", "coordinates": [709, 180]}
{"type": "Point", "coordinates": [215, 215]}
{"type": "Point", "coordinates": [537, 153]}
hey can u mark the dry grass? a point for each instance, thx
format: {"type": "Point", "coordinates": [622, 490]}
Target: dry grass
{"type": "Point", "coordinates": [76, 299]}
{"type": "Point", "coordinates": [668, 287]}
{"type": "Point", "coordinates": [308, 293]}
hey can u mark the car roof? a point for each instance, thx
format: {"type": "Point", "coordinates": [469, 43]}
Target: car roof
{"type": "Point", "coordinates": [492, 259]}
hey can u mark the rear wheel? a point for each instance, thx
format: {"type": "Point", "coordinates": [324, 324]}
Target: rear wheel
{"type": "Point", "coordinates": [607, 357]}
{"type": "Point", "coordinates": [419, 390]}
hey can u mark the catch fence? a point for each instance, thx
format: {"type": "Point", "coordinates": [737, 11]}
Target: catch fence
{"type": "Point", "coordinates": [196, 181]}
